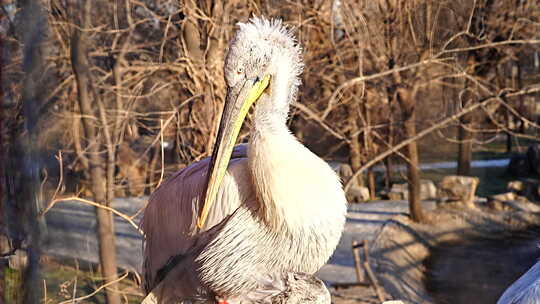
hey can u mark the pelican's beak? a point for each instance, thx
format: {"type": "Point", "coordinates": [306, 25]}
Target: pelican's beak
{"type": "Point", "coordinates": [239, 100]}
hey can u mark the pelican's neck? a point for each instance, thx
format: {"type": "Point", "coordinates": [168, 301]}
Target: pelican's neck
{"type": "Point", "coordinates": [293, 185]}
{"type": "Point", "coordinates": [272, 109]}
{"type": "Point", "coordinates": [268, 149]}
{"type": "Point", "coordinates": [271, 142]}
{"type": "Point", "coordinates": [296, 190]}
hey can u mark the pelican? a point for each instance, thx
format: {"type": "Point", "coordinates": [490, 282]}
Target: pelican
{"type": "Point", "coordinates": [526, 290]}
{"type": "Point", "coordinates": [224, 227]}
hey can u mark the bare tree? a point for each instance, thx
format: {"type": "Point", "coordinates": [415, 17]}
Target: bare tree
{"type": "Point", "coordinates": [152, 74]}
{"type": "Point", "coordinates": [23, 199]}
{"type": "Point", "coordinates": [407, 102]}
{"type": "Point", "coordinates": [465, 135]}
{"type": "Point", "coordinates": [98, 176]}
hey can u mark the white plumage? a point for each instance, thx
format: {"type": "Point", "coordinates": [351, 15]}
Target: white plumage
{"type": "Point", "coordinates": [279, 210]}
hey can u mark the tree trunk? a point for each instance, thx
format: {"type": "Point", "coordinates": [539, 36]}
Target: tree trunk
{"type": "Point", "coordinates": [151, 170]}
{"type": "Point", "coordinates": [105, 227]}
{"type": "Point", "coordinates": [355, 158]}
{"type": "Point", "coordinates": [24, 165]}
{"type": "Point", "coordinates": [507, 121]}
{"type": "Point", "coordinates": [407, 104]}
{"type": "Point", "coordinates": [388, 160]}
{"type": "Point", "coordinates": [389, 168]}
{"type": "Point", "coordinates": [507, 132]}
{"type": "Point", "coordinates": [517, 85]}
{"type": "Point", "coordinates": [355, 149]}
{"type": "Point", "coordinates": [370, 150]}
{"type": "Point", "coordinates": [371, 183]}
{"type": "Point", "coordinates": [465, 136]}
{"type": "Point", "coordinates": [465, 148]}
{"type": "Point", "coordinates": [502, 82]}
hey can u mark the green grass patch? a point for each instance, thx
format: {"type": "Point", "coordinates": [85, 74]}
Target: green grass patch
{"type": "Point", "coordinates": [12, 282]}
{"type": "Point", "coordinates": [65, 282]}
{"type": "Point", "coordinates": [493, 180]}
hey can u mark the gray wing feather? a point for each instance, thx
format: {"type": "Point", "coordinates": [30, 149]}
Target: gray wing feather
{"type": "Point", "coordinates": [526, 290]}
{"type": "Point", "coordinates": [169, 220]}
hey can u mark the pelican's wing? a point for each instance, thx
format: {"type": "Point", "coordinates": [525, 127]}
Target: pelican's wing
{"type": "Point", "coordinates": [169, 221]}
{"type": "Point", "coordinates": [175, 283]}
{"type": "Point", "coordinates": [179, 285]}
{"type": "Point", "coordinates": [526, 290]}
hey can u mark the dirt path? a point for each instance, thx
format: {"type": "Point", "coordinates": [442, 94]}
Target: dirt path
{"type": "Point", "coordinates": [71, 227]}
{"type": "Point", "coordinates": [464, 255]}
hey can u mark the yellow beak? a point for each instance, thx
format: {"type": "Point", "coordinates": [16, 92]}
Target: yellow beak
{"type": "Point", "coordinates": [239, 100]}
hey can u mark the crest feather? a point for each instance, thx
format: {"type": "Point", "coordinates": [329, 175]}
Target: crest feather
{"type": "Point", "coordinates": [261, 28]}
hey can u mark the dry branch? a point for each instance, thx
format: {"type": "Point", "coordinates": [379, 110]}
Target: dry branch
{"type": "Point", "coordinates": [106, 285]}
{"type": "Point", "coordinates": [127, 218]}
{"type": "Point", "coordinates": [437, 126]}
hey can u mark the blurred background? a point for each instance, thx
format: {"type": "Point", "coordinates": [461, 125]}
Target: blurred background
{"type": "Point", "coordinates": [103, 100]}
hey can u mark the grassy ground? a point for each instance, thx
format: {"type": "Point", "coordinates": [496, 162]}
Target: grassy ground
{"type": "Point", "coordinates": [494, 180]}
{"type": "Point", "coordinates": [66, 282]}
{"type": "Point", "coordinates": [63, 283]}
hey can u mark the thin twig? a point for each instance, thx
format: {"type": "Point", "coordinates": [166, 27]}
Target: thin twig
{"type": "Point", "coordinates": [315, 117]}
{"type": "Point", "coordinates": [373, 279]}
{"type": "Point", "coordinates": [492, 44]}
{"type": "Point", "coordinates": [357, 261]}
{"type": "Point", "coordinates": [356, 80]}
{"type": "Point", "coordinates": [162, 153]}
{"type": "Point", "coordinates": [45, 300]}
{"type": "Point", "coordinates": [61, 173]}
{"type": "Point", "coordinates": [89, 202]}
{"type": "Point", "coordinates": [434, 127]}
{"type": "Point", "coordinates": [96, 291]}
{"type": "Point", "coordinates": [75, 283]}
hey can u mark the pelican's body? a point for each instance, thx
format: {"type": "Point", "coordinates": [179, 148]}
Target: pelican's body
{"type": "Point", "coordinates": [277, 208]}
{"type": "Point", "coordinates": [526, 290]}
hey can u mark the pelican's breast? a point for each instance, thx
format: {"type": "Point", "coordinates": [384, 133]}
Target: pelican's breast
{"type": "Point", "coordinates": [300, 196]}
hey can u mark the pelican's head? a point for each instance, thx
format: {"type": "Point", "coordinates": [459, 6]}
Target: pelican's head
{"type": "Point", "coordinates": [264, 49]}
{"type": "Point", "coordinates": [262, 67]}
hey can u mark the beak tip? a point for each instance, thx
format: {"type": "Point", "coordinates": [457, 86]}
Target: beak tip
{"type": "Point", "coordinates": [200, 221]}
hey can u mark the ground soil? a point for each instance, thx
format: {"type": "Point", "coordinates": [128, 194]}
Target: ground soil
{"type": "Point", "coordinates": [479, 266]}
{"type": "Point", "coordinates": [419, 263]}
{"type": "Point", "coordinates": [461, 255]}
{"type": "Point", "coordinates": [354, 295]}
